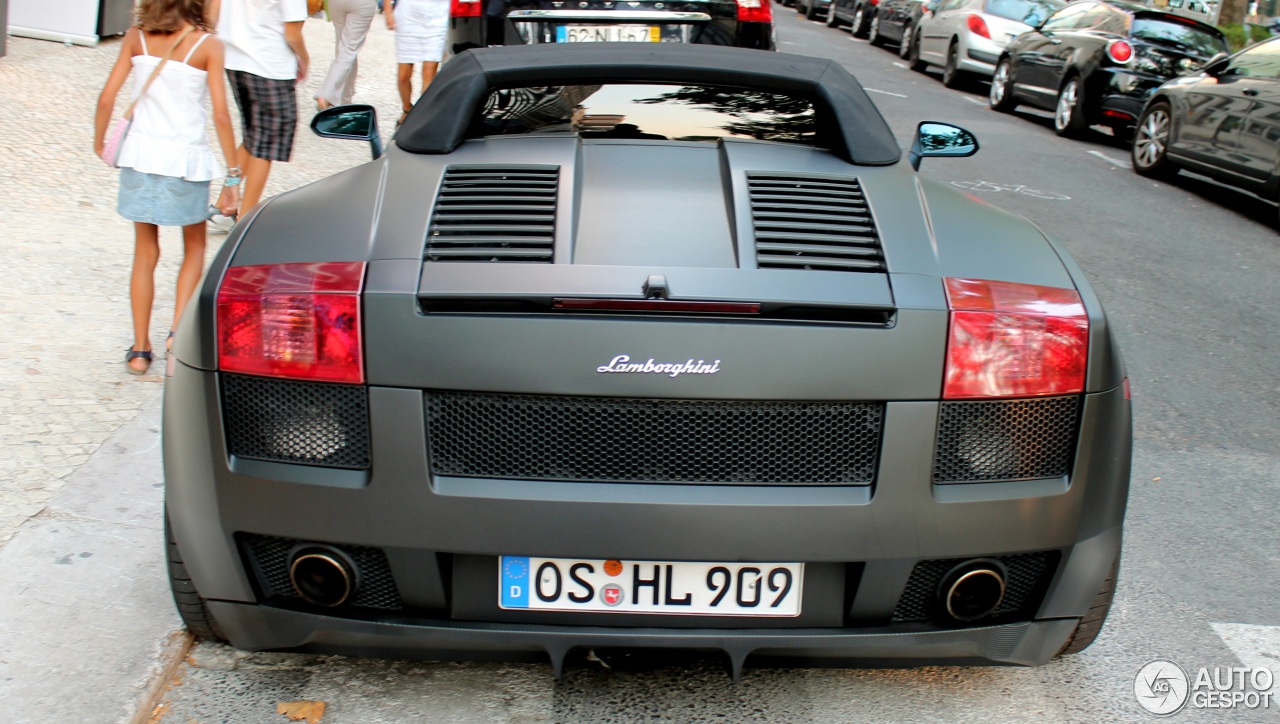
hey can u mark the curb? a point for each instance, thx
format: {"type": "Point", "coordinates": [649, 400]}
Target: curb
{"type": "Point", "coordinates": [89, 631]}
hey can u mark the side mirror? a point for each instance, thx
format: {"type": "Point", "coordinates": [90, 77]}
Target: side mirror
{"type": "Point", "coordinates": [354, 123]}
{"type": "Point", "coordinates": [943, 140]}
{"type": "Point", "coordinates": [931, 7]}
{"type": "Point", "coordinates": [1217, 64]}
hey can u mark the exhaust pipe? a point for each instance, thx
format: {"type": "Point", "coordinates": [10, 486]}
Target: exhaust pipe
{"type": "Point", "coordinates": [323, 575]}
{"type": "Point", "coordinates": [973, 590]}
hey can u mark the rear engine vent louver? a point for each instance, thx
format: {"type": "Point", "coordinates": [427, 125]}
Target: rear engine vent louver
{"type": "Point", "coordinates": [495, 213]}
{"type": "Point", "coordinates": [813, 222]}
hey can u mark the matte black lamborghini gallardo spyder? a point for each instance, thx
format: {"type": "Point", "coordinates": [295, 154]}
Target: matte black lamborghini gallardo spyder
{"type": "Point", "coordinates": [621, 346]}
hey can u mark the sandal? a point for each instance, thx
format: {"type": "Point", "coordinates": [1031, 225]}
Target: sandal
{"type": "Point", "coordinates": [403, 115]}
{"type": "Point", "coordinates": [133, 354]}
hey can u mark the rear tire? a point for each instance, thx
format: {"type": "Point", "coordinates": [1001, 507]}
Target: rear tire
{"type": "Point", "coordinates": [1091, 625]}
{"type": "Point", "coordinates": [913, 54]}
{"type": "Point", "coordinates": [832, 20]}
{"type": "Point", "coordinates": [874, 32]}
{"type": "Point", "coordinates": [952, 76]}
{"type": "Point", "coordinates": [192, 608]}
{"type": "Point", "coordinates": [1068, 115]}
{"type": "Point", "coordinates": [904, 46]}
{"type": "Point", "coordinates": [1001, 96]}
{"type": "Point", "coordinates": [811, 12]}
{"type": "Point", "coordinates": [859, 25]}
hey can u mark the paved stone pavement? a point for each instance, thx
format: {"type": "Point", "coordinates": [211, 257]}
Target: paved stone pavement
{"type": "Point", "coordinates": [66, 255]}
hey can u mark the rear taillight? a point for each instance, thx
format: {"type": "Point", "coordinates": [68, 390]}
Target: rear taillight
{"type": "Point", "coordinates": [298, 321]}
{"type": "Point", "coordinates": [1014, 340]}
{"type": "Point", "coordinates": [1120, 51]}
{"type": "Point", "coordinates": [978, 26]}
{"type": "Point", "coordinates": [464, 8]}
{"type": "Point", "coordinates": [754, 11]}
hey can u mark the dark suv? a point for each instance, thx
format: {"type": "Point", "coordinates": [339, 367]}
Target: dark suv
{"type": "Point", "coordinates": [741, 23]}
{"type": "Point", "coordinates": [1098, 62]}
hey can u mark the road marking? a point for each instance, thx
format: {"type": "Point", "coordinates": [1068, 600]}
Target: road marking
{"type": "Point", "coordinates": [974, 100]}
{"type": "Point", "coordinates": [873, 90]}
{"type": "Point", "coordinates": [1255, 646]}
{"type": "Point", "coordinates": [901, 65]}
{"type": "Point", "coordinates": [1109, 159]}
{"type": "Point", "coordinates": [1015, 188]}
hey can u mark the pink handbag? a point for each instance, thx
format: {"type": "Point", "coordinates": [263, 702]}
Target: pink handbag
{"type": "Point", "coordinates": [117, 132]}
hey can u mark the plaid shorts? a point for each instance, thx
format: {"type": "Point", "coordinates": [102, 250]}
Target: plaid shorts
{"type": "Point", "coordinates": [268, 114]}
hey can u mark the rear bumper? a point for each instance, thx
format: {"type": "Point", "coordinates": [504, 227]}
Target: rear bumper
{"type": "Point", "coordinates": [469, 33]}
{"type": "Point", "coordinates": [425, 523]}
{"type": "Point", "coordinates": [266, 628]}
{"type": "Point", "coordinates": [1125, 93]}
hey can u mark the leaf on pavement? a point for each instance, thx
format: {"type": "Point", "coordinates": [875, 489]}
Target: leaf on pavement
{"type": "Point", "coordinates": [312, 711]}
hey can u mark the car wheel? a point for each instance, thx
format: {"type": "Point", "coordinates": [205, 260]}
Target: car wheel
{"type": "Point", "coordinates": [952, 76]}
{"type": "Point", "coordinates": [811, 12]}
{"type": "Point", "coordinates": [859, 26]}
{"type": "Point", "coordinates": [832, 20]}
{"type": "Point", "coordinates": [904, 47]}
{"type": "Point", "coordinates": [192, 608]}
{"type": "Point", "coordinates": [1150, 148]}
{"type": "Point", "coordinates": [1091, 625]}
{"type": "Point", "coordinates": [913, 54]}
{"type": "Point", "coordinates": [1001, 96]}
{"type": "Point", "coordinates": [874, 32]}
{"type": "Point", "coordinates": [1068, 115]}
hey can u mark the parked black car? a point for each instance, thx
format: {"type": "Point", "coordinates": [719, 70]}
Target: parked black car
{"type": "Point", "coordinates": [1224, 123]}
{"type": "Point", "coordinates": [895, 20]}
{"type": "Point", "coordinates": [1098, 62]}
{"type": "Point", "coordinates": [740, 23]}
{"type": "Point", "coordinates": [813, 9]}
{"type": "Point", "coordinates": [857, 13]}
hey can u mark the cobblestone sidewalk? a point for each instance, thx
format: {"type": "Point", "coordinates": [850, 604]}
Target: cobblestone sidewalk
{"type": "Point", "coordinates": [66, 255]}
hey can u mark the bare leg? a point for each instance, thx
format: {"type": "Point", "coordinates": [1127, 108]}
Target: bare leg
{"type": "Point", "coordinates": [193, 242]}
{"type": "Point", "coordinates": [255, 172]}
{"type": "Point", "coordinates": [404, 82]}
{"type": "Point", "coordinates": [428, 74]}
{"type": "Point", "coordinates": [142, 287]}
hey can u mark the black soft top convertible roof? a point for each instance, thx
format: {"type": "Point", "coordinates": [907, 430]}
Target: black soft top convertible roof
{"type": "Point", "coordinates": [440, 120]}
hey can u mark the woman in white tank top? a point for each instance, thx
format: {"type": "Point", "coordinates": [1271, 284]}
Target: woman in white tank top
{"type": "Point", "coordinates": [165, 162]}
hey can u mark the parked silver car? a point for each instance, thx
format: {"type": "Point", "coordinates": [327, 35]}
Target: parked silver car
{"type": "Point", "coordinates": [966, 36]}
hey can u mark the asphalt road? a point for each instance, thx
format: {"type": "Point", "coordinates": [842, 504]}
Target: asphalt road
{"type": "Point", "coordinates": [1186, 270]}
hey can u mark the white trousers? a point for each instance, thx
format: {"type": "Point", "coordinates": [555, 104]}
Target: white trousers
{"type": "Point", "coordinates": [351, 21]}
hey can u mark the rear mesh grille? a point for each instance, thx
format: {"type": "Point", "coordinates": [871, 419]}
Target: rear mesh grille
{"type": "Point", "coordinates": [270, 556]}
{"type": "Point", "coordinates": [813, 222]}
{"type": "Point", "coordinates": [1005, 440]}
{"type": "Point", "coordinates": [663, 441]}
{"type": "Point", "coordinates": [296, 422]}
{"type": "Point", "coordinates": [495, 213]}
{"type": "Point", "coordinates": [1027, 576]}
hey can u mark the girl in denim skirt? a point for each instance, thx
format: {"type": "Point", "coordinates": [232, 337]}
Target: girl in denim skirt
{"type": "Point", "coordinates": [165, 162]}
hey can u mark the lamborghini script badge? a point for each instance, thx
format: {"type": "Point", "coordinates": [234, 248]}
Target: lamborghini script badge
{"type": "Point", "coordinates": [623, 363]}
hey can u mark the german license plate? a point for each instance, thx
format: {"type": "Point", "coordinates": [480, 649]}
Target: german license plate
{"type": "Point", "coordinates": [608, 34]}
{"type": "Point", "coordinates": [669, 588]}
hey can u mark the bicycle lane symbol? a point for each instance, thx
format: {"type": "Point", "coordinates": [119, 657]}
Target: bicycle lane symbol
{"type": "Point", "coordinates": [1012, 188]}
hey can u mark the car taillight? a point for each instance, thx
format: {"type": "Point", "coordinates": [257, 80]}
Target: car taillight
{"type": "Point", "coordinates": [754, 11]}
{"type": "Point", "coordinates": [464, 8]}
{"type": "Point", "coordinates": [298, 321]}
{"type": "Point", "coordinates": [1014, 340]}
{"type": "Point", "coordinates": [978, 26]}
{"type": "Point", "coordinates": [1120, 51]}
